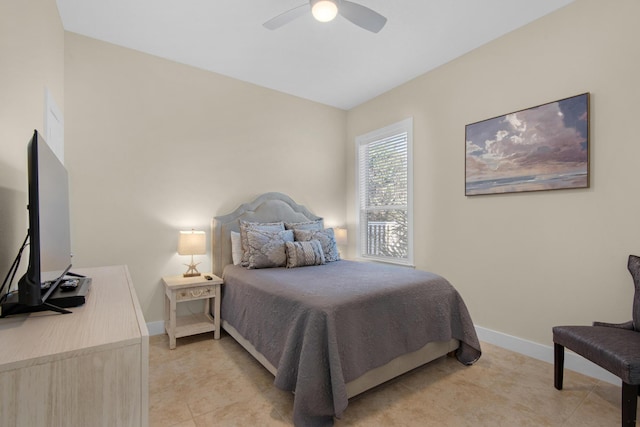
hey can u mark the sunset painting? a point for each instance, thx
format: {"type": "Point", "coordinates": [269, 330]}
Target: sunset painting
{"type": "Point", "coordinates": [540, 148]}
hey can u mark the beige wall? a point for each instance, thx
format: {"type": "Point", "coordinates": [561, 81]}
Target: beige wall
{"type": "Point", "coordinates": [155, 147]}
{"type": "Point", "coordinates": [524, 262]}
{"type": "Point", "coordinates": [31, 59]}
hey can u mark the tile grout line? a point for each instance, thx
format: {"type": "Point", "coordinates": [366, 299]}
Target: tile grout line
{"type": "Point", "coordinates": [582, 401]}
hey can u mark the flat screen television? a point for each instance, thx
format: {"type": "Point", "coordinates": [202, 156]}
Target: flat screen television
{"type": "Point", "coordinates": [49, 227]}
{"type": "Point", "coordinates": [47, 284]}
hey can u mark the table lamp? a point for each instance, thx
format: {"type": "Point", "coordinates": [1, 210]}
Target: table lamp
{"type": "Point", "coordinates": [192, 243]}
{"type": "Point", "coordinates": [340, 235]}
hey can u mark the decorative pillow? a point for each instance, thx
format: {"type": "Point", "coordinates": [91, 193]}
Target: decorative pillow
{"type": "Point", "coordinates": [300, 254]}
{"type": "Point", "coordinates": [236, 248]}
{"type": "Point", "coordinates": [326, 238]}
{"type": "Point", "coordinates": [267, 248]}
{"type": "Point", "coordinates": [262, 226]}
{"type": "Point", "coordinates": [306, 225]}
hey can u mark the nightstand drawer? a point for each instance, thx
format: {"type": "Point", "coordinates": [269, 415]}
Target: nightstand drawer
{"type": "Point", "coordinates": [196, 293]}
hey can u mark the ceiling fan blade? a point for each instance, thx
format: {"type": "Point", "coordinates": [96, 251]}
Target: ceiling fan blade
{"type": "Point", "coordinates": [362, 16]}
{"type": "Point", "coordinates": [286, 17]}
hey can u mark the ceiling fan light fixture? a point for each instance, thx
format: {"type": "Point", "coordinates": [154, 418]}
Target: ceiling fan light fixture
{"type": "Point", "coordinates": [324, 10]}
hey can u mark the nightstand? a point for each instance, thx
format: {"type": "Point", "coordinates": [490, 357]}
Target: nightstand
{"type": "Point", "coordinates": [179, 289]}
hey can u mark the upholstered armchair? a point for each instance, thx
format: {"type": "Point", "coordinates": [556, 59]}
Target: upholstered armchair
{"type": "Point", "coordinates": [615, 347]}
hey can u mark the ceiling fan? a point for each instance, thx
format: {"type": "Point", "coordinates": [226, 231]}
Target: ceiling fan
{"type": "Point", "coordinates": [326, 10]}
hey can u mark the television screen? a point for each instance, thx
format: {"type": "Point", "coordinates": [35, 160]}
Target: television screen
{"type": "Point", "coordinates": [53, 214]}
{"type": "Point", "coordinates": [49, 230]}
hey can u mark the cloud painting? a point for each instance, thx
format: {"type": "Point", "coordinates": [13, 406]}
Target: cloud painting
{"type": "Point", "coordinates": [541, 148]}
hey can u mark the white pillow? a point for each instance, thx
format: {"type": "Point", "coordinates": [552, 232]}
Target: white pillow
{"type": "Point", "coordinates": [236, 248]}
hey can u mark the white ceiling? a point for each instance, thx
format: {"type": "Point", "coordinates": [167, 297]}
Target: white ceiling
{"type": "Point", "coordinates": [336, 63]}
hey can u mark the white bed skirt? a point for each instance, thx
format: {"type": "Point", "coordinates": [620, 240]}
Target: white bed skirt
{"type": "Point", "coordinates": [374, 377]}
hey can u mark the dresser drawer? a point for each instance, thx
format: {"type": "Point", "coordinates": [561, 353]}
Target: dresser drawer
{"type": "Point", "coordinates": [196, 293]}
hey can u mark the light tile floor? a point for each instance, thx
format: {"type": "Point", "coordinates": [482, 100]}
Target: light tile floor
{"type": "Point", "coordinates": [204, 382]}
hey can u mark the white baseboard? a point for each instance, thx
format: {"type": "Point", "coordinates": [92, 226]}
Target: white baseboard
{"type": "Point", "coordinates": [529, 348]}
{"type": "Point", "coordinates": [542, 352]}
{"type": "Point", "coordinates": [156, 328]}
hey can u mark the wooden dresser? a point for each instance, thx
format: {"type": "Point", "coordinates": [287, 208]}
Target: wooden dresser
{"type": "Point", "coordinates": [87, 368]}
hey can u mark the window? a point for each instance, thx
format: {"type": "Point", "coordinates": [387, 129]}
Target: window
{"type": "Point", "coordinates": [385, 193]}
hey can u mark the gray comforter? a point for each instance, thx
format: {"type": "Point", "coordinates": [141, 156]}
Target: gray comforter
{"type": "Point", "coordinates": [324, 326]}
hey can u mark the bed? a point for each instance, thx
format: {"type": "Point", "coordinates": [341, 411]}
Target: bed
{"type": "Point", "coordinates": [332, 331]}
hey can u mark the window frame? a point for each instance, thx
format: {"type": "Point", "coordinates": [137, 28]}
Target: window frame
{"type": "Point", "coordinates": [403, 126]}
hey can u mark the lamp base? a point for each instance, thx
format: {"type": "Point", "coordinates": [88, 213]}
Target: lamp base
{"type": "Point", "coordinates": [192, 271]}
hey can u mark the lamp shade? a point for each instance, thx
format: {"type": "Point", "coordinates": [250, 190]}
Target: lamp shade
{"type": "Point", "coordinates": [192, 243]}
{"type": "Point", "coordinates": [341, 235]}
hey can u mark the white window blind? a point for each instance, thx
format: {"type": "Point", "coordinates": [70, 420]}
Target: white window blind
{"type": "Point", "coordinates": [384, 193]}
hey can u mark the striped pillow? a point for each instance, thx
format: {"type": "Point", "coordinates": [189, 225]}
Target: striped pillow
{"type": "Point", "coordinates": [326, 238]}
{"type": "Point", "coordinates": [300, 254]}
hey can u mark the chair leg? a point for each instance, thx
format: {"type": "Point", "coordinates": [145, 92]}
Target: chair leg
{"type": "Point", "coordinates": [629, 404]}
{"type": "Point", "coordinates": [558, 365]}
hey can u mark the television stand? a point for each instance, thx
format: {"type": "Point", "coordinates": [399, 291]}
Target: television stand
{"type": "Point", "coordinates": [72, 274]}
{"type": "Point", "coordinates": [12, 306]}
{"type": "Point", "coordinates": [58, 300]}
{"type": "Point", "coordinates": [55, 308]}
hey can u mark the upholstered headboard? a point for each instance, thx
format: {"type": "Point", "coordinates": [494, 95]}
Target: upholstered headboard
{"type": "Point", "coordinates": [269, 207]}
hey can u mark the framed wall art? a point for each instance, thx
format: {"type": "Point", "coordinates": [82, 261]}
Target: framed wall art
{"type": "Point", "coordinates": [540, 148]}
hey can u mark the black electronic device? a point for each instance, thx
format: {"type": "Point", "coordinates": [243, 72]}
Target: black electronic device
{"type": "Point", "coordinates": [49, 233]}
{"type": "Point", "coordinates": [60, 298]}
{"type": "Point", "coordinates": [74, 296]}
{"type": "Point", "coordinates": [68, 285]}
